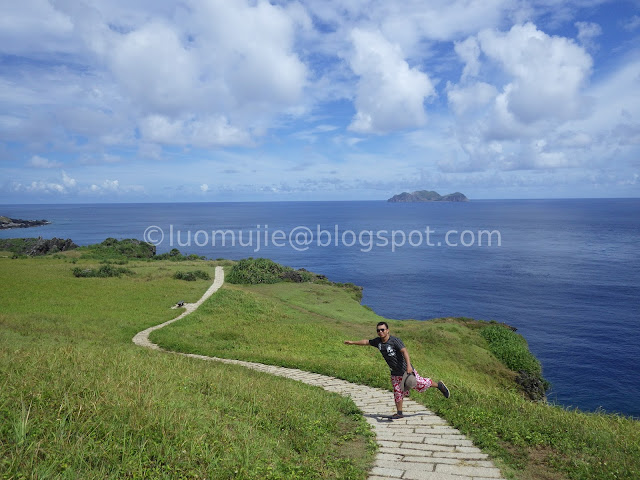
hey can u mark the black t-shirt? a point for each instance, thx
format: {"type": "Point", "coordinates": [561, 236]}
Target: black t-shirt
{"type": "Point", "coordinates": [391, 353]}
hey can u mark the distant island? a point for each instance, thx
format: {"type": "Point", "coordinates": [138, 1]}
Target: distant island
{"type": "Point", "coordinates": [428, 196]}
{"type": "Point", "coordinates": [6, 223]}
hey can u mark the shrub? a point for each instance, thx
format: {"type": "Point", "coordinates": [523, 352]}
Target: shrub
{"type": "Point", "coordinates": [113, 248]}
{"type": "Point", "coordinates": [103, 272]}
{"type": "Point", "coordinates": [253, 271]}
{"type": "Point", "coordinates": [175, 256]}
{"type": "Point", "coordinates": [192, 276]}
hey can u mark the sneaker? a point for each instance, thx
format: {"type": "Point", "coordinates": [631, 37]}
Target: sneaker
{"type": "Point", "coordinates": [395, 416]}
{"type": "Point", "coordinates": [443, 388]}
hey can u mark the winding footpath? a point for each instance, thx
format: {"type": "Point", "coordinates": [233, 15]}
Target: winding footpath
{"type": "Point", "coordinates": [421, 446]}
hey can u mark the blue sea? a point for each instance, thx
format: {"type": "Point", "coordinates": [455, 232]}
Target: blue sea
{"type": "Point", "coordinates": [565, 273]}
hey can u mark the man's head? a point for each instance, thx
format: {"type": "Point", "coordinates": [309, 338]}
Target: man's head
{"type": "Point", "coordinates": [383, 329]}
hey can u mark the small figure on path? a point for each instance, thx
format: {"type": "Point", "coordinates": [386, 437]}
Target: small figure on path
{"type": "Point", "coordinates": [403, 375]}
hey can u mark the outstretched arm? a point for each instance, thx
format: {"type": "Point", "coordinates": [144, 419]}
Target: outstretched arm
{"type": "Point", "coordinates": [362, 342]}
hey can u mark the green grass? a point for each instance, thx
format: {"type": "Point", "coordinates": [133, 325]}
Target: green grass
{"type": "Point", "coordinates": [79, 400]}
{"type": "Point", "coordinates": [304, 326]}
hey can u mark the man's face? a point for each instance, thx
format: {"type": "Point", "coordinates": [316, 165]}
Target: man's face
{"type": "Point", "coordinates": [382, 331]}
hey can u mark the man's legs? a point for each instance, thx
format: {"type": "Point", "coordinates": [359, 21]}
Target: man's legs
{"type": "Point", "coordinates": [398, 394]}
{"type": "Point", "coordinates": [422, 384]}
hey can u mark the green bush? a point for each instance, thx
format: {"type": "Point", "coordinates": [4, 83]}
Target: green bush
{"type": "Point", "coordinates": [175, 256]}
{"type": "Point", "coordinates": [192, 276]}
{"type": "Point", "coordinates": [113, 248]}
{"type": "Point", "coordinates": [253, 271]}
{"type": "Point", "coordinates": [104, 272]}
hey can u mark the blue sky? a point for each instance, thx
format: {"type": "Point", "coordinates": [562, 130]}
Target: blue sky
{"type": "Point", "coordinates": [217, 100]}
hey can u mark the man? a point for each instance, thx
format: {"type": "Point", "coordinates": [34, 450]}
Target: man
{"type": "Point", "coordinates": [397, 357]}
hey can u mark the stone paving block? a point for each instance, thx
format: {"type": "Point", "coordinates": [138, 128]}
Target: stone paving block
{"type": "Point", "coordinates": [417, 458]}
{"type": "Point", "coordinates": [461, 462]}
{"type": "Point", "coordinates": [387, 472]}
{"type": "Point", "coordinates": [392, 450]}
{"type": "Point", "coordinates": [388, 457]}
{"type": "Point", "coordinates": [446, 441]}
{"type": "Point", "coordinates": [469, 471]}
{"type": "Point", "coordinates": [464, 456]}
{"type": "Point", "coordinates": [387, 444]}
{"type": "Point", "coordinates": [426, 447]}
{"type": "Point", "coordinates": [434, 476]}
{"type": "Point", "coordinates": [400, 437]}
{"type": "Point", "coordinates": [468, 450]}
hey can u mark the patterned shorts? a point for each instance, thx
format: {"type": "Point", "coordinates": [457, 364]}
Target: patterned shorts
{"type": "Point", "coordinates": [398, 394]}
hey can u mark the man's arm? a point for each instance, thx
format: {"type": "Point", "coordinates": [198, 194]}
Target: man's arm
{"type": "Point", "coordinates": [405, 353]}
{"type": "Point", "coordinates": [362, 342]}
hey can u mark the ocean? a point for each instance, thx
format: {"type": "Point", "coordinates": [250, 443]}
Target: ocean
{"type": "Point", "coordinates": [565, 273]}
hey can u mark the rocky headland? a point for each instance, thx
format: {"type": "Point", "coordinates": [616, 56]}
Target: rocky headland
{"type": "Point", "coordinates": [6, 223]}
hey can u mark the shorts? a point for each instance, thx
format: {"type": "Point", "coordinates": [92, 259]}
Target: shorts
{"type": "Point", "coordinates": [421, 385]}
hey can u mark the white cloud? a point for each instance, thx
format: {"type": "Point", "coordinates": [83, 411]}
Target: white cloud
{"type": "Point", "coordinates": [113, 187]}
{"type": "Point", "coordinates": [155, 69]}
{"type": "Point", "coordinates": [200, 132]}
{"type": "Point", "coordinates": [474, 97]}
{"type": "Point", "coordinates": [40, 162]}
{"type": "Point", "coordinates": [547, 73]}
{"type": "Point", "coordinates": [67, 181]}
{"type": "Point", "coordinates": [587, 32]}
{"type": "Point", "coordinates": [204, 188]}
{"type": "Point", "coordinates": [390, 95]}
{"type": "Point", "coordinates": [65, 185]}
{"type": "Point", "coordinates": [28, 25]}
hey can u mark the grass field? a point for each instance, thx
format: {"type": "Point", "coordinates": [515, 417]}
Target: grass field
{"type": "Point", "coordinates": [79, 400]}
{"type": "Point", "coordinates": [304, 326]}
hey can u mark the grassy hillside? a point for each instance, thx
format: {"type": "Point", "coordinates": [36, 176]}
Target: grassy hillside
{"type": "Point", "coordinates": [304, 325]}
{"type": "Point", "coordinates": [79, 400]}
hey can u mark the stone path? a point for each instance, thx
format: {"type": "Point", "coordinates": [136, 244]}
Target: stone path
{"type": "Point", "coordinates": [421, 446]}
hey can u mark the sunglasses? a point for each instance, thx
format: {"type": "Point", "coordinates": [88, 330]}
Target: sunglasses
{"type": "Point", "coordinates": [381, 329]}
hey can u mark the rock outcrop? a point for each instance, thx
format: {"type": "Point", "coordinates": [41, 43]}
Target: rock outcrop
{"type": "Point", "coordinates": [6, 223]}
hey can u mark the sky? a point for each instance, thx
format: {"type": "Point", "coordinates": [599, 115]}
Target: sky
{"type": "Point", "coordinates": [245, 100]}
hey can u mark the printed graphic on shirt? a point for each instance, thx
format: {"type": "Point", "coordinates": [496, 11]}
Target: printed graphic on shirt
{"type": "Point", "coordinates": [390, 350]}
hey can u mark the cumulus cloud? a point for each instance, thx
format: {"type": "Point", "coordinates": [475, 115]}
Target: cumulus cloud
{"type": "Point", "coordinates": [113, 187]}
{"type": "Point", "coordinates": [511, 120]}
{"type": "Point", "coordinates": [221, 68]}
{"type": "Point", "coordinates": [219, 72]}
{"type": "Point", "coordinates": [547, 73]}
{"type": "Point", "coordinates": [390, 94]}
{"type": "Point", "coordinates": [65, 184]}
{"type": "Point", "coordinates": [67, 181]}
